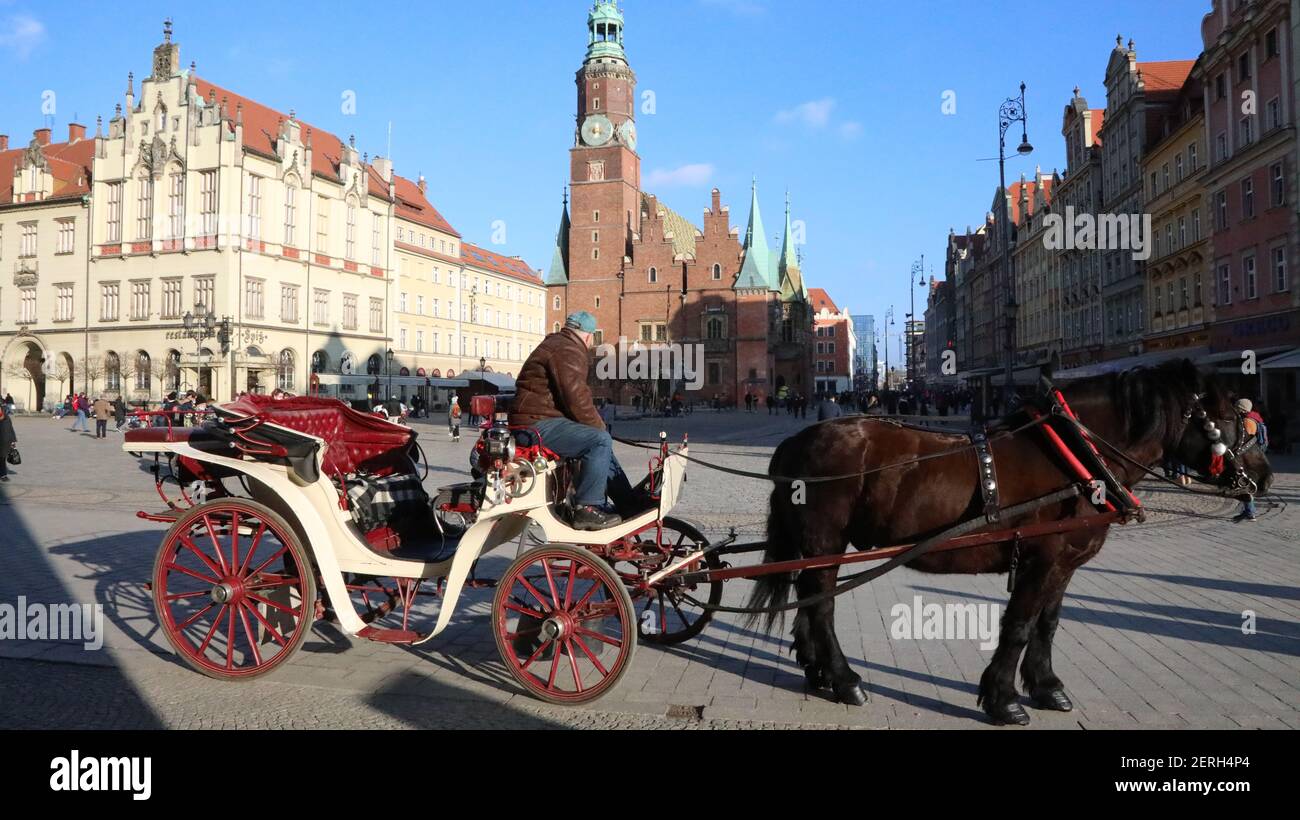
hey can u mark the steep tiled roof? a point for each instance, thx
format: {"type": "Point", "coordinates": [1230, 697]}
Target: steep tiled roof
{"type": "Point", "coordinates": [1031, 191]}
{"type": "Point", "coordinates": [70, 165]}
{"type": "Point", "coordinates": [415, 206]}
{"type": "Point", "coordinates": [681, 228]}
{"type": "Point", "coordinates": [1098, 117]}
{"type": "Point", "coordinates": [821, 299]}
{"type": "Point", "coordinates": [484, 259]}
{"type": "Point", "coordinates": [262, 126]}
{"type": "Point", "coordinates": [1166, 76]}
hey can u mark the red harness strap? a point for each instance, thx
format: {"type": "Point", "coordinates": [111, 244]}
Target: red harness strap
{"type": "Point", "coordinates": [1080, 470]}
{"type": "Point", "coordinates": [1078, 466]}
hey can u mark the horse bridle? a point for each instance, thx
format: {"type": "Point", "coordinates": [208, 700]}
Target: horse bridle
{"type": "Point", "coordinates": [1236, 475]}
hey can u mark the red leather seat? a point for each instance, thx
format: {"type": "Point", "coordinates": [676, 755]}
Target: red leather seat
{"type": "Point", "coordinates": [353, 440]}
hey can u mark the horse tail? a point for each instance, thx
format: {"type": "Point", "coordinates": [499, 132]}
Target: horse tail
{"type": "Point", "coordinates": [782, 545]}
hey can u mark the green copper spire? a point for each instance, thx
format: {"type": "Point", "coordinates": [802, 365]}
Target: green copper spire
{"type": "Point", "coordinates": [559, 270]}
{"type": "Point", "coordinates": [792, 286]}
{"type": "Point", "coordinates": [755, 270]}
{"type": "Point", "coordinates": [605, 32]}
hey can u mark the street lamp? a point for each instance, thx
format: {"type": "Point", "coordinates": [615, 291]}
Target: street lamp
{"type": "Point", "coordinates": [918, 271]}
{"type": "Point", "coordinates": [388, 368]}
{"type": "Point", "coordinates": [1011, 111]}
{"type": "Point", "coordinates": [201, 325]}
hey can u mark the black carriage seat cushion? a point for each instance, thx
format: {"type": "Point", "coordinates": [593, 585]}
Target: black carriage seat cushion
{"type": "Point", "coordinates": [354, 441]}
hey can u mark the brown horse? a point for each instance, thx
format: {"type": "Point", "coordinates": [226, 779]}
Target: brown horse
{"type": "Point", "coordinates": [1148, 413]}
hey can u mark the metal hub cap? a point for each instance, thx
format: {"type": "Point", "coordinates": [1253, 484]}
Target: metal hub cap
{"type": "Point", "coordinates": [222, 593]}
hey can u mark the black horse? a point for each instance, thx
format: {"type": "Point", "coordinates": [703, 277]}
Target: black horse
{"type": "Point", "coordinates": [1147, 413]}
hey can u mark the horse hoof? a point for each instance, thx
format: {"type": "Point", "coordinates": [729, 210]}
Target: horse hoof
{"type": "Point", "coordinates": [1009, 714]}
{"type": "Point", "coordinates": [1055, 700]}
{"type": "Point", "coordinates": [815, 679]}
{"type": "Point", "coordinates": [851, 694]}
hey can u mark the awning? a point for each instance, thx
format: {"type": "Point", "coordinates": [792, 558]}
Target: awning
{"type": "Point", "coordinates": [1087, 371]}
{"type": "Point", "coordinates": [500, 381]}
{"type": "Point", "coordinates": [406, 381]}
{"type": "Point", "coordinates": [1229, 361]}
{"type": "Point", "coordinates": [1283, 362]}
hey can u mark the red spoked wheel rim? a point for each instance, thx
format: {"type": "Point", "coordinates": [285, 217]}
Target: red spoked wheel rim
{"type": "Point", "coordinates": [564, 624]}
{"type": "Point", "coordinates": [233, 589]}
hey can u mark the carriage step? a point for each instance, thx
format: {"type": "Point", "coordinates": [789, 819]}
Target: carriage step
{"type": "Point", "coordinates": [164, 517]}
{"type": "Point", "coordinates": [374, 633]}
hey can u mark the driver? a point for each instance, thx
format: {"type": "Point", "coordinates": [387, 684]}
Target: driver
{"type": "Point", "coordinates": [552, 396]}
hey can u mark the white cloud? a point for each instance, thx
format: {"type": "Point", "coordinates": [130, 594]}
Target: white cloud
{"type": "Point", "coordinates": [814, 113]}
{"type": "Point", "coordinates": [694, 174]}
{"type": "Point", "coordinates": [850, 130]}
{"type": "Point", "coordinates": [21, 34]}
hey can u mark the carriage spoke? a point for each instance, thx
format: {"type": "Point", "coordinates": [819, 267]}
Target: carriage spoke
{"type": "Point", "coordinates": [248, 633]}
{"type": "Point", "coordinates": [281, 551]}
{"type": "Point", "coordinates": [216, 543]}
{"type": "Point", "coordinates": [230, 640]}
{"type": "Point", "coordinates": [276, 581]}
{"type": "Point", "coordinates": [541, 599]}
{"type": "Point", "coordinates": [273, 604]}
{"type": "Point", "coordinates": [234, 540]}
{"type": "Point", "coordinates": [272, 631]}
{"type": "Point", "coordinates": [536, 654]}
{"type": "Point", "coordinates": [190, 620]}
{"type": "Point", "coordinates": [550, 581]}
{"type": "Point", "coordinates": [525, 610]}
{"type": "Point", "coordinates": [582, 630]}
{"type": "Point", "coordinates": [177, 596]}
{"type": "Point", "coordinates": [212, 630]}
{"type": "Point", "coordinates": [568, 589]}
{"type": "Point", "coordinates": [594, 661]}
{"type": "Point", "coordinates": [172, 565]}
{"type": "Point", "coordinates": [252, 548]}
{"type": "Point", "coordinates": [208, 562]}
{"type": "Point", "coordinates": [555, 667]}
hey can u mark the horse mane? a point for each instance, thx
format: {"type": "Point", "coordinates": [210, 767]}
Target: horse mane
{"type": "Point", "coordinates": [1150, 401]}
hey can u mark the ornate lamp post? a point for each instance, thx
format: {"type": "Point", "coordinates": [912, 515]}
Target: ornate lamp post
{"type": "Point", "coordinates": [918, 273]}
{"type": "Point", "coordinates": [201, 325]}
{"type": "Point", "coordinates": [388, 369]}
{"type": "Point", "coordinates": [1011, 112]}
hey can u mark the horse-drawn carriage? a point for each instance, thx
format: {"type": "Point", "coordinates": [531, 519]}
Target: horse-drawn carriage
{"type": "Point", "coordinates": [283, 512]}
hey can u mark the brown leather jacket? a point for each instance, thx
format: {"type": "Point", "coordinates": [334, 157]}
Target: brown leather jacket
{"type": "Point", "coordinates": [553, 383]}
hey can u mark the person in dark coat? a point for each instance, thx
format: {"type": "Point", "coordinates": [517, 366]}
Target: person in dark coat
{"type": "Point", "coordinates": [8, 440]}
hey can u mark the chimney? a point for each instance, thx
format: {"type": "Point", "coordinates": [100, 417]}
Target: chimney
{"type": "Point", "coordinates": [42, 136]}
{"type": "Point", "coordinates": [717, 200]}
{"type": "Point", "coordinates": [384, 167]}
{"type": "Point", "coordinates": [422, 185]}
{"type": "Point", "coordinates": [76, 132]}
{"type": "Point", "coordinates": [4, 142]}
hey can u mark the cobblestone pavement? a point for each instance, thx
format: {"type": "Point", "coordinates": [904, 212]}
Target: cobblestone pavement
{"type": "Point", "coordinates": [1151, 633]}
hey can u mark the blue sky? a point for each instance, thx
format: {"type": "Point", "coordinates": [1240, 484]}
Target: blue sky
{"type": "Point", "coordinates": [838, 101]}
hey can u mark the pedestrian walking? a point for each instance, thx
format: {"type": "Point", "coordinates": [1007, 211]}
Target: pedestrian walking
{"type": "Point", "coordinates": [453, 419]}
{"type": "Point", "coordinates": [119, 413]}
{"type": "Point", "coordinates": [102, 409]}
{"type": "Point", "coordinates": [8, 441]}
{"type": "Point", "coordinates": [82, 409]}
{"type": "Point", "coordinates": [1254, 426]}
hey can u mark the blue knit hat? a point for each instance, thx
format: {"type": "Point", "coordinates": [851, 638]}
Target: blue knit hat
{"type": "Point", "coordinates": [581, 320]}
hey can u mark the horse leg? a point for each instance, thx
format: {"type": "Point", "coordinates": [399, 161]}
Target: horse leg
{"type": "Point", "coordinates": [998, 683]}
{"type": "Point", "coordinates": [805, 648]}
{"type": "Point", "coordinates": [1044, 687]}
{"type": "Point", "coordinates": [843, 681]}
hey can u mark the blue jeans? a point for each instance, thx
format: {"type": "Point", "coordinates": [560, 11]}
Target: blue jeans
{"type": "Point", "coordinates": [80, 423]}
{"type": "Point", "coordinates": [1248, 505]}
{"type": "Point", "coordinates": [596, 449]}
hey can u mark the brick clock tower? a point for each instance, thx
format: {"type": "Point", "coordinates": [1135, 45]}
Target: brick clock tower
{"type": "Point", "coordinates": [605, 178]}
{"type": "Point", "coordinates": [649, 274]}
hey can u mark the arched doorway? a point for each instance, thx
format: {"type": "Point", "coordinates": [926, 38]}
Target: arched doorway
{"type": "Point", "coordinates": [23, 374]}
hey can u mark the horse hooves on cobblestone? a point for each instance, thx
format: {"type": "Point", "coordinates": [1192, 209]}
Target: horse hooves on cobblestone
{"type": "Point", "coordinates": [1009, 714]}
{"type": "Point", "coordinates": [851, 694]}
{"type": "Point", "coordinates": [1054, 700]}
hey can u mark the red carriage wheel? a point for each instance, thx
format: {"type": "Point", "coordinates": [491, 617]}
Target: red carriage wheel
{"type": "Point", "coordinates": [564, 624]}
{"type": "Point", "coordinates": [233, 589]}
{"type": "Point", "coordinates": [668, 615]}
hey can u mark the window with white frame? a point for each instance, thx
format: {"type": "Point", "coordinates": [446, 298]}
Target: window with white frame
{"type": "Point", "coordinates": [114, 211]}
{"type": "Point", "coordinates": [63, 302]}
{"type": "Point", "coordinates": [350, 233]}
{"type": "Point", "coordinates": [27, 240]}
{"type": "Point", "coordinates": [205, 290]}
{"type": "Point", "coordinates": [140, 300]}
{"type": "Point", "coordinates": [208, 202]}
{"type": "Point", "coordinates": [289, 304]}
{"type": "Point", "coordinates": [1277, 184]}
{"type": "Point", "coordinates": [143, 371]}
{"type": "Point", "coordinates": [1248, 276]}
{"type": "Point", "coordinates": [254, 230]}
{"type": "Point", "coordinates": [176, 206]}
{"type": "Point", "coordinates": [419, 341]}
{"type": "Point", "coordinates": [320, 306]}
{"type": "Point", "coordinates": [1191, 158]}
{"type": "Point", "coordinates": [401, 341]}
{"type": "Point", "coordinates": [419, 305]}
{"type": "Point", "coordinates": [374, 245]}
{"type": "Point", "coordinates": [322, 223]}
{"type": "Point", "coordinates": [1273, 114]}
{"type": "Point", "coordinates": [290, 213]}
{"type": "Point", "coordinates": [67, 235]}
{"type": "Point", "coordinates": [376, 315]}
{"type": "Point", "coordinates": [1225, 284]}
{"type": "Point", "coordinates": [144, 209]}
{"type": "Point", "coordinates": [1278, 255]}
{"type": "Point", "coordinates": [27, 306]}
{"type": "Point", "coordinates": [401, 302]}
{"type": "Point", "coordinates": [109, 295]}
{"type": "Point", "coordinates": [171, 298]}
{"type": "Point", "coordinates": [1247, 198]}
{"type": "Point", "coordinates": [349, 311]}
{"type": "Point", "coordinates": [254, 298]}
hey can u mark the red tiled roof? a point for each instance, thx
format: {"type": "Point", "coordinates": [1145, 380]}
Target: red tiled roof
{"type": "Point", "coordinates": [484, 259]}
{"type": "Point", "coordinates": [70, 165]}
{"type": "Point", "coordinates": [262, 126]}
{"type": "Point", "coordinates": [821, 299]}
{"type": "Point", "coordinates": [1031, 191]}
{"type": "Point", "coordinates": [1098, 117]}
{"type": "Point", "coordinates": [415, 206]}
{"type": "Point", "coordinates": [1168, 75]}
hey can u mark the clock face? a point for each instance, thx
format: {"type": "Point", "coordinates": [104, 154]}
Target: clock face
{"type": "Point", "coordinates": [597, 130]}
{"type": "Point", "coordinates": [627, 133]}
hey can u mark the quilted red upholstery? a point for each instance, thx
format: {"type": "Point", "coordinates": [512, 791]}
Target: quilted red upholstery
{"type": "Point", "coordinates": [353, 440]}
